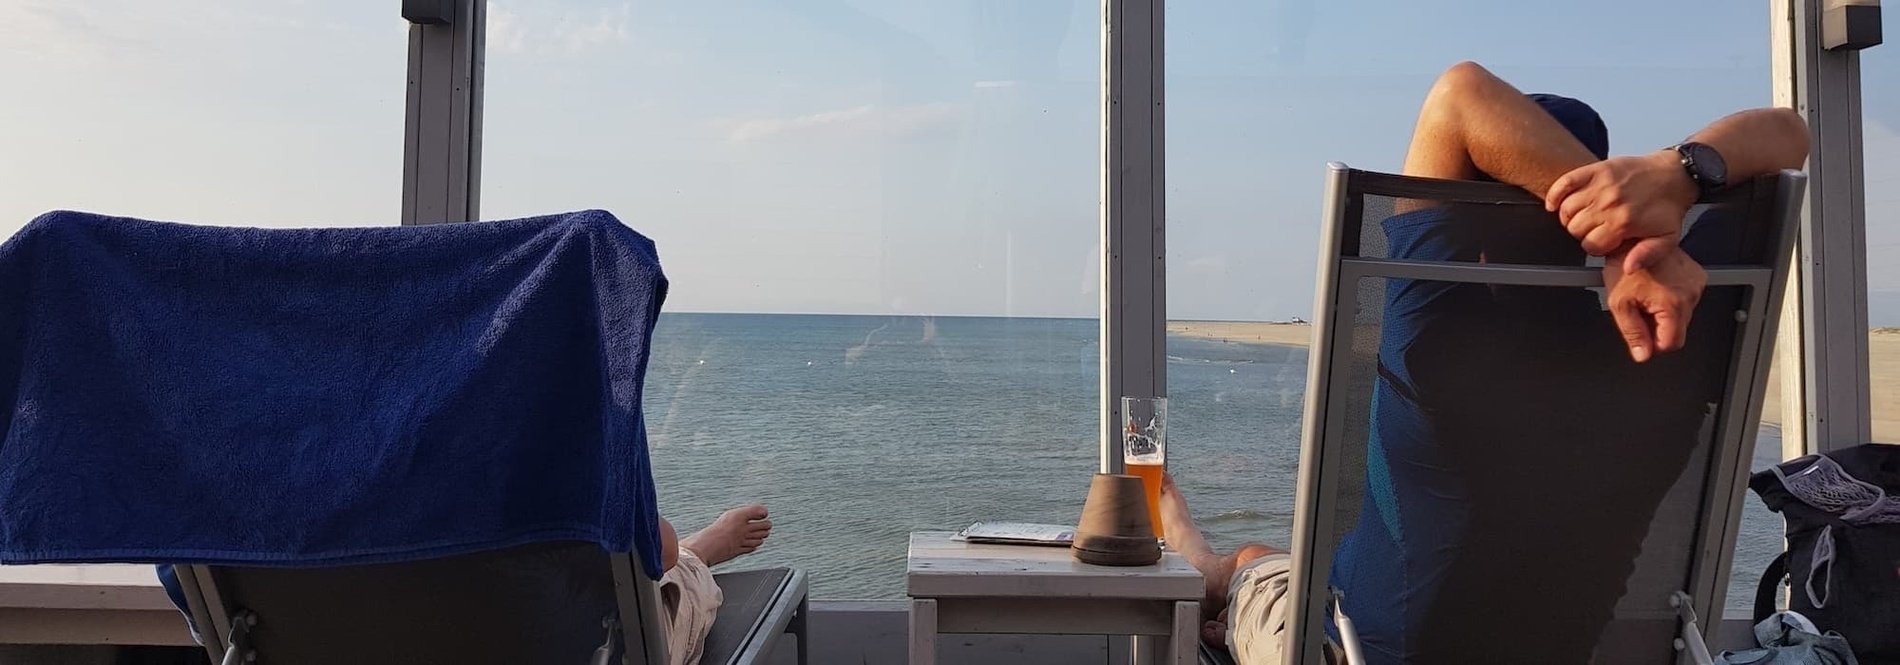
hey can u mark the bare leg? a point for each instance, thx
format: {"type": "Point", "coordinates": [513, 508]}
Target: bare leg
{"type": "Point", "coordinates": [669, 546]}
{"type": "Point", "coordinates": [1217, 570]}
{"type": "Point", "coordinates": [736, 532]}
{"type": "Point", "coordinates": [1183, 536]}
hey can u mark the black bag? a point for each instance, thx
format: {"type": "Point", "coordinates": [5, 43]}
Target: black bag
{"type": "Point", "coordinates": [1843, 561]}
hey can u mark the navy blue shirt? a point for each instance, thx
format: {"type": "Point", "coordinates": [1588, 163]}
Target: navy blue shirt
{"type": "Point", "coordinates": [1515, 454]}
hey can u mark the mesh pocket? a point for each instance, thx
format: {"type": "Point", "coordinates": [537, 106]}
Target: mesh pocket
{"type": "Point", "coordinates": [1825, 485]}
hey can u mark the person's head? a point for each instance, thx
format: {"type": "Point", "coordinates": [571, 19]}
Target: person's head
{"type": "Point", "coordinates": [1582, 121]}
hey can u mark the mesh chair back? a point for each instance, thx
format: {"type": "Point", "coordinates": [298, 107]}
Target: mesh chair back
{"type": "Point", "coordinates": [1483, 465]}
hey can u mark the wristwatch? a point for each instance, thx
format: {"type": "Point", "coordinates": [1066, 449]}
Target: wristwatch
{"type": "Point", "coordinates": [1704, 164]}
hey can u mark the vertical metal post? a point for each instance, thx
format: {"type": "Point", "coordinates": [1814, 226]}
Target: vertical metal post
{"type": "Point", "coordinates": [442, 131]}
{"type": "Point", "coordinates": [1790, 359]}
{"type": "Point", "coordinates": [1134, 254]}
{"type": "Point", "coordinates": [1134, 283]}
{"type": "Point", "coordinates": [1824, 334]}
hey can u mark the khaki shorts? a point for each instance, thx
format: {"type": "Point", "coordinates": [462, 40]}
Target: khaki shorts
{"type": "Point", "coordinates": [1257, 610]}
{"type": "Point", "coordinates": [691, 599]}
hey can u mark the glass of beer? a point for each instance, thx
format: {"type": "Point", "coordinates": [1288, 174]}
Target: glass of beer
{"type": "Point", "coordinates": [1145, 447]}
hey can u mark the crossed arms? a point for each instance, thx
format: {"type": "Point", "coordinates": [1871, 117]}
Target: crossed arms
{"type": "Point", "coordinates": [1628, 209]}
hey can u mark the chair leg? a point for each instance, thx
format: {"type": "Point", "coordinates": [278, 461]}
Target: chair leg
{"type": "Point", "coordinates": [799, 630]}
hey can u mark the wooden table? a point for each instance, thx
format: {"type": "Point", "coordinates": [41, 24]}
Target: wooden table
{"type": "Point", "coordinates": [1013, 589]}
{"type": "Point", "coordinates": [88, 604]}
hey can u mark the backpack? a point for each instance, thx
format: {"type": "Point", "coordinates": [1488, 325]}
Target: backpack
{"type": "Point", "coordinates": [1842, 565]}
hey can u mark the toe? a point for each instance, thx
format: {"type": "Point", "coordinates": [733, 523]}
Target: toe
{"type": "Point", "coordinates": [1214, 633]}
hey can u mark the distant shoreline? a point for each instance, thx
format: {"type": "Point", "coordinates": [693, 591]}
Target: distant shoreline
{"type": "Point", "coordinates": [1245, 332]}
{"type": "Point", "coordinates": [1883, 345]}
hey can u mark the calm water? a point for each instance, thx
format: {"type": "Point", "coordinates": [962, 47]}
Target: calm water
{"type": "Point", "coordinates": [856, 430]}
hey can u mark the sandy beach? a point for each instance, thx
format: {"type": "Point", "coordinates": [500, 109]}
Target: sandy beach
{"type": "Point", "coordinates": [1244, 332]}
{"type": "Point", "coordinates": [1883, 347]}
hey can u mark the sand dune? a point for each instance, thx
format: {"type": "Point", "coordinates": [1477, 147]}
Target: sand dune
{"type": "Point", "coordinates": [1883, 346]}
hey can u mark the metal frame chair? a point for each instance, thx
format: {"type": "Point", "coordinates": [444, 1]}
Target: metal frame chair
{"type": "Point", "coordinates": [1773, 200]}
{"type": "Point", "coordinates": [358, 614]}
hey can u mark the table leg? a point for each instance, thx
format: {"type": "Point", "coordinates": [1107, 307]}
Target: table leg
{"type": "Point", "coordinates": [1186, 640]}
{"type": "Point", "coordinates": [923, 631]}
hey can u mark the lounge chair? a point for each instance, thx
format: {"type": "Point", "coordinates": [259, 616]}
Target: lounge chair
{"type": "Point", "coordinates": [564, 602]}
{"type": "Point", "coordinates": [384, 445]}
{"type": "Point", "coordinates": [1682, 572]}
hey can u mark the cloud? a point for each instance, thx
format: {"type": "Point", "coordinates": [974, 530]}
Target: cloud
{"type": "Point", "coordinates": [173, 36]}
{"type": "Point", "coordinates": [567, 34]}
{"type": "Point", "coordinates": [65, 32]}
{"type": "Point", "coordinates": [868, 121]}
{"type": "Point", "coordinates": [505, 33]}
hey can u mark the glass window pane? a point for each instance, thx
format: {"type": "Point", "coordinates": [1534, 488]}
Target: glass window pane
{"type": "Point", "coordinates": [1880, 136]}
{"type": "Point", "coordinates": [1761, 537]}
{"type": "Point", "coordinates": [207, 111]}
{"type": "Point", "coordinates": [1261, 95]}
{"type": "Point", "coordinates": [880, 221]}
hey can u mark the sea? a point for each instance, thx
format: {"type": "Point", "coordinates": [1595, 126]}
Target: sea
{"type": "Point", "coordinates": [855, 431]}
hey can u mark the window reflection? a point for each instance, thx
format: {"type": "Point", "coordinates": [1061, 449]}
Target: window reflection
{"type": "Point", "coordinates": [881, 223]}
{"type": "Point", "coordinates": [209, 111]}
{"type": "Point", "coordinates": [1261, 95]}
{"type": "Point", "coordinates": [1880, 136]}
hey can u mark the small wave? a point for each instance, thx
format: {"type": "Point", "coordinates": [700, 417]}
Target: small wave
{"type": "Point", "coordinates": [1209, 361]}
{"type": "Point", "coordinates": [1242, 515]}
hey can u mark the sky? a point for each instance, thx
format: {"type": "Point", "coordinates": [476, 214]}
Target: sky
{"type": "Point", "coordinates": [851, 156]}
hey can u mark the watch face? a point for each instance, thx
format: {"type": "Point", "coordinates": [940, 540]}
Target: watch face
{"type": "Point", "coordinates": [1708, 165]}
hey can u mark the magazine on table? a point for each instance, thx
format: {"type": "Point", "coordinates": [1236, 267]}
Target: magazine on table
{"type": "Point", "coordinates": [1017, 533]}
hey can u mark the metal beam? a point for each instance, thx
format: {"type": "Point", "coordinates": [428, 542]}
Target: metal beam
{"type": "Point", "coordinates": [442, 130]}
{"type": "Point", "coordinates": [1134, 251]}
{"type": "Point", "coordinates": [1824, 332]}
{"type": "Point", "coordinates": [1790, 358]}
{"type": "Point", "coordinates": [1134, 283]}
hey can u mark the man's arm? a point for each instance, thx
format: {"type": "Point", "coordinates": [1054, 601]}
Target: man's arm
{"type": "Point", "coordinates": [1614, 205]}
{"type": "Point", "coordinates": [1475, 126]}
{"type": "Point", "coordinates": [1758, 141]}
{"type": "Point", "coordinates": [1630, 209]}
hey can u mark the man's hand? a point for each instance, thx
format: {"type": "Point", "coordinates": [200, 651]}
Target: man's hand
{"type": "Point", "coordinates": [1652, 305]}
{"type": "Point", "coordinates": [1628, 205]}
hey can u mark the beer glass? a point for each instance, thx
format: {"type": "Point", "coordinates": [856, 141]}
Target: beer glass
{"type": "Point", "coordinates": [1145, 447]}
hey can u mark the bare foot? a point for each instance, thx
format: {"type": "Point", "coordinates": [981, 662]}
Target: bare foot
{"type": "Point", "coordinates": [1178, 522]}
{"type": "Point", "coordinates": [1214, 634]}
{"type": "Point", "coordinates": [736, 532]}
{"type": "Point", "coordinates": [1186, 538]}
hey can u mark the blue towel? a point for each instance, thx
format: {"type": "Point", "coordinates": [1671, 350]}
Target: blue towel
{"type": "Point", "coordinates": [190, 394]}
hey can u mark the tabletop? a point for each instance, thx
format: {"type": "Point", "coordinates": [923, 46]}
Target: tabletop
{"type": "Point", "coordinates": [83, 586]}
{"type": "Point", "coordinates": [943, 568]}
